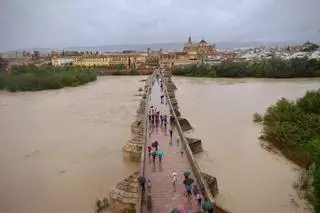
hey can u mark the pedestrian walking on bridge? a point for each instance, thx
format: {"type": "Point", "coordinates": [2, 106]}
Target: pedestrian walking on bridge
{"type": "Point", "coordinates": [189, 190]}
{"type": "Point", "coordinates": [155, 145]}
{"type": "Point", "coordinates": [154, 154]}
{"type": "Point", "coordinates": [160, 155]}
{"type": "Point", "coordinates": [149, 150]}
{"type": "Point", "coordinates": [198, 198]}
{"type": "Point", "coordinates": [174, 178]}
{"type": "Point", "coordinates": [170, 131]}
{"type": "Point", "coordinates": [149, 186]}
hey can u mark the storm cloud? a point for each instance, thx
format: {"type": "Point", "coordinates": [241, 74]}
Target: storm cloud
{"type": "Point", "coordinates": [61, 23]}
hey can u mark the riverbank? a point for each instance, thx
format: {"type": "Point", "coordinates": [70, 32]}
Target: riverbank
{"type": "Point", "coordinates": [33, 78]}
{"type": "Point", "coordinates": [270, 68]}
{"type": "Point", "coordinates": [293, 127]}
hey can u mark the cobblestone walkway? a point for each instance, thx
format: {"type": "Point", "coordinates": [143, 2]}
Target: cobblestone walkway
{"type": "Point", "coordinates": [165, 197]}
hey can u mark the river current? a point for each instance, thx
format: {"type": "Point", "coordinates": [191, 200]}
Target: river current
{"type": "Point", "coordinates": [62, 149]}
{"type": "Point", "coordinates": [250, 179]}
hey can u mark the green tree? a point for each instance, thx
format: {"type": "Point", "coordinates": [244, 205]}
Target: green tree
{"type": "Point", "coordinates": [294, 127]}
{"type": "Point", "coordinates": [31, 77]}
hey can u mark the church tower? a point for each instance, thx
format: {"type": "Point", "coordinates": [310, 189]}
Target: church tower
{"type": "Point", "coordinates": [189, 40]}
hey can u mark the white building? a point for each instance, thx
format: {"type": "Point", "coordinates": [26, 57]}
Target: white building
{"type": "Point", "coordinates": [315, 55]}
{"type": "Point", "coordinates": [298, 55]}
{"type": "Point", "coordinates": [56, 61]}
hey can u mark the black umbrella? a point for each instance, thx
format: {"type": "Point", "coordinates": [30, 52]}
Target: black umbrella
{"type": "Point", "coordinates": [188, 181]}
{"type": "Point", "coordinates": [154, 144]}
{"type": "Point", "coordinates": [142, 180]}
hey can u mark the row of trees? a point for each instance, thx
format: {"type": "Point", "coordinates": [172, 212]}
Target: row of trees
{"type": "Point", "coordinates": [294, 127]}
{"type": "Point", "coordinates": [32, 78]}
{"type": "Point", "coordinates": [270, 68]}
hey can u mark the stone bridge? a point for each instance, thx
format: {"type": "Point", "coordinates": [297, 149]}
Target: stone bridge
{"type": "Point", "coordinates": [178, 151]}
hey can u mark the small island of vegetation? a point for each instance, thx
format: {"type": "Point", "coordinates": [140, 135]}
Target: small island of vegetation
{"type": "Point", "coordinates": [34, 78]}
{"type": "Point", "coordinates": [294, 128]}
{"type": "Point", "coordinates": [270, 68]}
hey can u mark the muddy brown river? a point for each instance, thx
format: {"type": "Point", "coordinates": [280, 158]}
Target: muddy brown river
{"type": "Point", "coordinates": [62, 149]}
{"type": "Point", "coordinates": [250, 179]}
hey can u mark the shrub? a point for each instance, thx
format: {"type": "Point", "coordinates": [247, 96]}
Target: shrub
{"type": "Point", "coordinates": [257, 117]}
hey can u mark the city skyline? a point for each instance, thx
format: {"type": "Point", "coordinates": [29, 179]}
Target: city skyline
{"type": "Point", "coordinates": [70, 23]}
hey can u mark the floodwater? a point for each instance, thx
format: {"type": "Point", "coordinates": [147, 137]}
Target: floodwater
{"type": "Point", "coordinates": [60, 150]}
{"type": "Point", "coordinates": [250, 178]}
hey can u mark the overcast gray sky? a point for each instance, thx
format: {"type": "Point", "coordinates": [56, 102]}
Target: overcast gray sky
{"type": "Point", "coordinates": [63, 23]}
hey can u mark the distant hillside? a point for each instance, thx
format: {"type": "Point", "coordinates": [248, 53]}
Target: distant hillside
{"type": "Point", "coordinates": [171, 46]}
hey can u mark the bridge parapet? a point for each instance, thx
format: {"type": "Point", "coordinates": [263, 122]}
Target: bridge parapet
{"type": "Point", "coordinates": [146, 139]}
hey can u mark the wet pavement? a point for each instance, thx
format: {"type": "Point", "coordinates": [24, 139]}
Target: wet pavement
{"type": "Point", "coordinates": [165, 196]}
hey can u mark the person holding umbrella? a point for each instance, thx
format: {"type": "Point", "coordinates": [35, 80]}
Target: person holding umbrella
{"type": "Point", "coordinates": [189, 190]}
{"type": "Point", "coordinates": [186, 174]}
{"type": "Point", "coordinates": [142, 181]}
{"type": "Point", "coordinates": [155, 145]}
{"type": "Point", "coordinates": [160, 155]}
{"type": "Point", "coordinates": [171, 119]}
{"type": "Point", "coordinates": [149, 150]}
{"type": "Point", "coordinates": [175, 210]}
{"type": "Point", "coordinates": [207, 206]}
{"type": "Point", "coordinates": [188, 183]}
{"type": "Point", "coordinates": [154, 154]}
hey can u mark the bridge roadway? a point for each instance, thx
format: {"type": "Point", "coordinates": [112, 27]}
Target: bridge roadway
{"type": "Point", "coordinates": [164, 196]}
